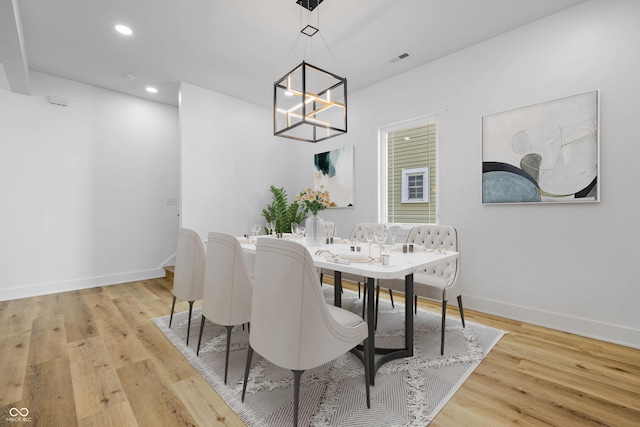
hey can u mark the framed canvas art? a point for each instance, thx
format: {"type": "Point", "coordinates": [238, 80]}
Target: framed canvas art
{"type": "Point", "coordinates": [542, 153]}
{"type": "Point", "coordinates": [334, 171]}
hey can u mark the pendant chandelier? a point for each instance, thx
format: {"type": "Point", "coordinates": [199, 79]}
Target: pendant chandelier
{"type": "Point", "coordinates": [309, 103]}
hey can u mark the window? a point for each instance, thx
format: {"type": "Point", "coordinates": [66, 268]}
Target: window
{"type": "Point", "coordinates": [408, 179]}
{"type": "Point", "coordinates": [415, 185]}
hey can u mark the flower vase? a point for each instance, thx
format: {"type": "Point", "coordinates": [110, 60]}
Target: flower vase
{"type": "Point", "coordinates": [314, 230]}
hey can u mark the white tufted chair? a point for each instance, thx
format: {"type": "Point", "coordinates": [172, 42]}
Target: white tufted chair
{"type": "Point", "coordinates": [188, 279]}
{"type": "Point", "coordinates": [227, 287]}
{"type": "Point", "coordinates": [439, 282]}
{"type": "Point", "coordinates": [292, 326]}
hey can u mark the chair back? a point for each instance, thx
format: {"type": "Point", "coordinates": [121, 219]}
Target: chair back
{"type": "Point", "coordinates": [359, 230]}
{"type": "Point", "coordinates": [290, 323]}
{"type": "Point", "coordinates": [228, 286]}
{"type": "Point", "coordinates": [188, 279]}
{"type": "Point", "coordinates": [437, 236]}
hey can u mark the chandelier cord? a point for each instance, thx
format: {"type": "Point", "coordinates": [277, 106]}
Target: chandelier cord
{"type": "Point", "coordinates": [330, 51]}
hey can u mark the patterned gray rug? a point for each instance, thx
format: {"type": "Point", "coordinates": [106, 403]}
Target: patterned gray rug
{"type": "Point", "coordinates": [407, 392]}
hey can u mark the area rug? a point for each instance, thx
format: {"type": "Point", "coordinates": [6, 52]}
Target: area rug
{"type": "Point", "coordinates": [407, 392]}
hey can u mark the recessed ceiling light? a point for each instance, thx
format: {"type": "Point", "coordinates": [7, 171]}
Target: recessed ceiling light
{"type": "Point", "coordinates": [123, 29]}
{"type": "Point", "coordinates": [151, 89]}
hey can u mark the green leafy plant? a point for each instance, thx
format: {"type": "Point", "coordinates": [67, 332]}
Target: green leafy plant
{"type": "Point", "coordinates": [281, 211]}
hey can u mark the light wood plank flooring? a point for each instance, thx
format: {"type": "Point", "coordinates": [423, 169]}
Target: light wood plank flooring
{"type": "Point", "coordinates": [94, 358]}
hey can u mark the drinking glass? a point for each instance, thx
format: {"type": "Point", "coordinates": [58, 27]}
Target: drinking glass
{"type": "Point", "coordinates": [300, 232]}
{"type": "Point", "coordinates": [271, 225]}
{"type": "Point", "coordinates": [393, 233]}
{"type": "Point", "coordinates": [255, 229]}
{"type": "Point", "coordinates": [381, 238]}
{"type": "Point", "coordinates": [294, 229]}
{"type": "Point", "coordinates": [368, 235]}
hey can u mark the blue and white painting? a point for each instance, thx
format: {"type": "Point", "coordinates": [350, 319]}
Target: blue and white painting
{"type": "Point", "coordinates": [542, 153]}
{"type": "Point", "coordinates": [334, 172]}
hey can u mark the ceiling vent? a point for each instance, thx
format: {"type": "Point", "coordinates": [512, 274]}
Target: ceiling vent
{"type": "Point", "coordinates": [398, 58]}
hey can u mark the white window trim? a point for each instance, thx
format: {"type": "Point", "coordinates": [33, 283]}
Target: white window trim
{"type": "Point", "coordinates": [406, 173]}
{"type": "Point", "coordinates": [441, 119]}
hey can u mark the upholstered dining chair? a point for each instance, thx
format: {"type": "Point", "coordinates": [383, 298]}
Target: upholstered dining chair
{"type": "Point", "coordinates": [440, 281]}
{"type": "Point", "coordinates": [188, 278]}
{"type": "Point", "coordinates": [228, 287]}
{"type": "Point", "coordinates": [292, 326]}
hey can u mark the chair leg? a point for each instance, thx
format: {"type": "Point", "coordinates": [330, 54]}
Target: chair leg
{"type": "Point", "coordinates": [391, 298]}
{"type": "Point", "coordinates": [173, 306]}
{"type": "Point", "coordinates": [321, 277]}
{"type": "Point", "coordinates": [415, 304]}
{"type": "Point", "coordinates": [461, 309]}
{"type": "Point", "coordinates": [444, 317]}
{"type": "Point", "coordinates": [246, 371]}
{"type": "Point", "coordinates": [189, 324]}
{"type": "Point", "coordinates": [226, 358]}
{"type": "Point", "coordinates": [358, 289]}
{"type": "Point", "coordinates": [202, 320]}
{"type": "Point", "coordinates": [296, 395]}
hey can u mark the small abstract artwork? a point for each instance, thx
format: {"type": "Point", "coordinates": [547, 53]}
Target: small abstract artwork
{"type": "Point", "coordinates": [334, 172]}
{"type": "Point", "coordinates": [542, 153]}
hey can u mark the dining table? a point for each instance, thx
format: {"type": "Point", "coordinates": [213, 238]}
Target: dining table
{"type": "Point", "coordinates": [372, 262]}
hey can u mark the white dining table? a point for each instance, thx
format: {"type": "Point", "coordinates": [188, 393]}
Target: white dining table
{"type": "Point", "coordinates": [340, 258]}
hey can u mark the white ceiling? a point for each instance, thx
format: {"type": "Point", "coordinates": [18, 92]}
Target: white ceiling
{"type": "Point", "coordinates": [239, 47]}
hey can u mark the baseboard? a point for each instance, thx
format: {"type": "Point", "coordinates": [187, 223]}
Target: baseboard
{"type": "Point", "coordinates": [616, 334]}
{"type": "Point", "coordinates": [169, 261]}
{"type": "Point", "coordinates": [74, 285]}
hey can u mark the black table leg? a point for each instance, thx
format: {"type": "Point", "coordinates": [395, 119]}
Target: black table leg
{"type": "Point", "coordinates": [337, 288]}
{"type": "Point", "coordinates": [408, 315]}
{"type": "Point", "coordinates": [371, 342]}
{"type": "Point", "coordinates": [386, 354]}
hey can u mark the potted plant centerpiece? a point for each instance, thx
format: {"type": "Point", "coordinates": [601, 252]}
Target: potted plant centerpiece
{"type": "Point", "coordinates": [314, 201]}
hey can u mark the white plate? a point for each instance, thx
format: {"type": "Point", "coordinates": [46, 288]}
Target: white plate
{"type": "Point", "coordinates": [354, 256]}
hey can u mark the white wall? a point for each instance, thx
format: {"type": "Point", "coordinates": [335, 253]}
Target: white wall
{"type": "Point", "coordinates": [84, 188]}
{"type": "Point", "coordinates": [229, 159]}
{"type": "Point", "coordinates": [570, 267]}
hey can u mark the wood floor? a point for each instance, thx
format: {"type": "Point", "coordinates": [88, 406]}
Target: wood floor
{"type": "Point", "coordinates": [94, 358]}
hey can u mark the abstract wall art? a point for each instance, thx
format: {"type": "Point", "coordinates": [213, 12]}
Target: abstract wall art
{"type": "Point", "coordinates": [334, 171]}
{"type": "Point", "coordinates": [543, 153]}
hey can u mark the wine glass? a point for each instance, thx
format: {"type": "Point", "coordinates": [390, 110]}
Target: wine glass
{"type": "Point", "coordinates": [393, 233]}
{"type": "Point", "coordinates": [271, 225]}
{"type": "Point", "coordinates": [368, 235]}
{"type": "Point", "coordinates": [381, 238]}
{"type": "Point", "coordinates": [255, 229]}
{"type": "Point", "coordinates": [294, 229]}
{"type": "Point", "coordinates": [300, 232]}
